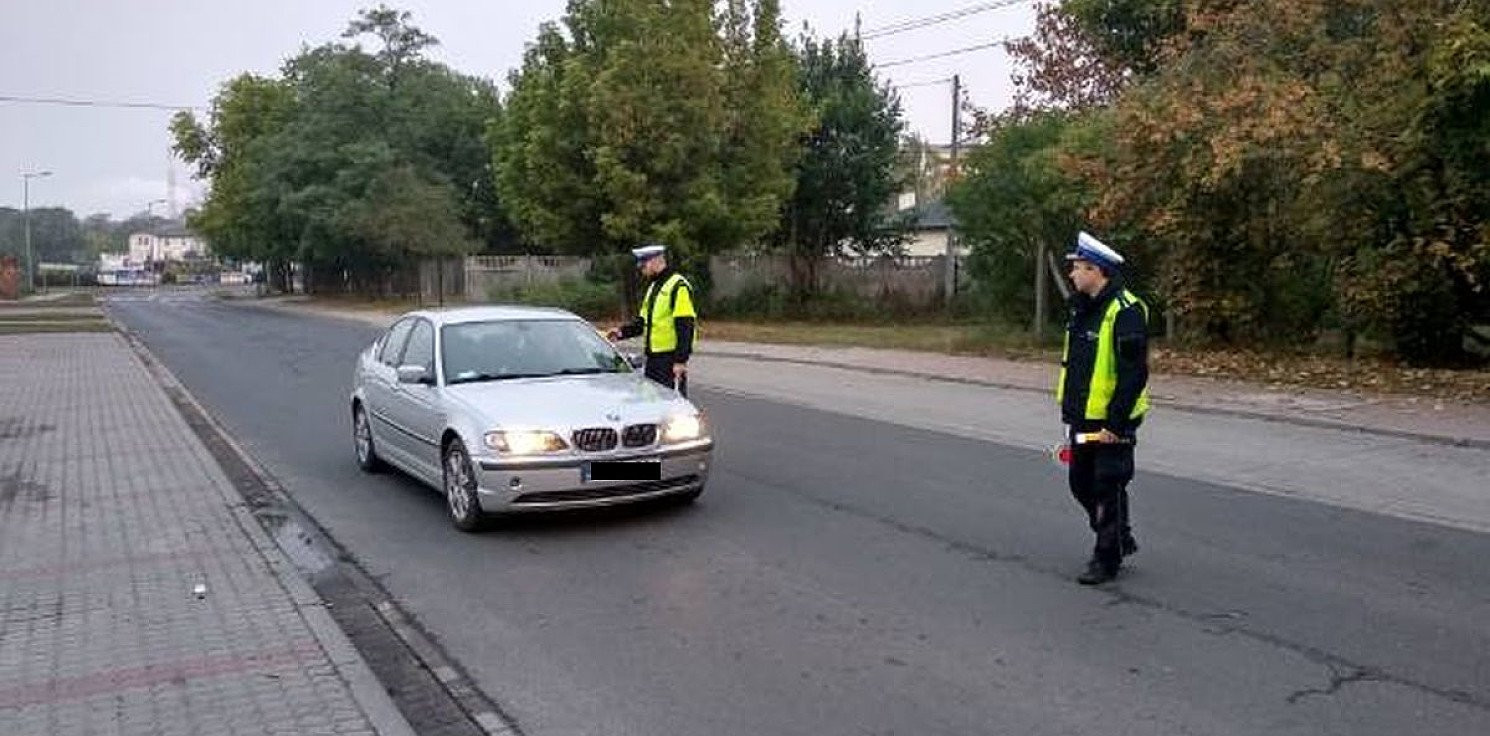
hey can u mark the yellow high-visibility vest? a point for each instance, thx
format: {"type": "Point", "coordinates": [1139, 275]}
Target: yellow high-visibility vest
{"type": "Point", "coordinates": [667, 301]}
{"type": "Point", "coordinates": [1104, 369]}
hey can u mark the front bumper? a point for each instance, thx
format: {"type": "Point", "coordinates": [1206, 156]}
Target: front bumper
{"type": "Point", "coordinates": [517, 485]}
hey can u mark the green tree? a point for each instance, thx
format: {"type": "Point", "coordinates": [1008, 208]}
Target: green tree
{"type": "Point", "coordinates": [540, 149]}
{"type": "Point", "coordinates": [328, 164]}
{"type": "Point", "coordinates": [650, 121]}
{"type": "Point", "coordinates": [1014, 205]}
{"type": "Point", "coordinates": [241, 215]}
{"type": "Point", "coordinates": [846, 175]}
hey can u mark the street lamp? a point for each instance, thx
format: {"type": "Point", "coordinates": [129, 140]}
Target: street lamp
{"type": "Point", "coordinates": [26, 177]}
{"type": "Point", "coordinates": [149, 226]}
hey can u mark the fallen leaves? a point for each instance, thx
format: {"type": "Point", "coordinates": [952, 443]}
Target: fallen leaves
{"type": "Point", "coordinates": [1362, 375]}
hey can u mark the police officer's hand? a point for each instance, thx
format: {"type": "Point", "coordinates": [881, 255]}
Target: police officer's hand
{"type": "Point", "coordinates": [680, 370]}
{"type": "Point", "coordinates": [1106, 437]}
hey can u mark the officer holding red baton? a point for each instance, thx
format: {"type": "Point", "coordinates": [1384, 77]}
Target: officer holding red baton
{"type": "Point", "coordinates": [1103, 393]}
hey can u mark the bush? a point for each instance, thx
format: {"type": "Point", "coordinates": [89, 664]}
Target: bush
{"type": "Point", "coordinates": [765, 301]}
{"type": "Point", "coordinates": [594, 300]}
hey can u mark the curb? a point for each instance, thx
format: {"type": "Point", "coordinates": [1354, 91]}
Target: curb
{"type": "Point", "coordinates": [1401, 434]}
{"type": "Point", "coordinates": [369, 692]}
{"type": "Point", "coordinates": [1178, 406]}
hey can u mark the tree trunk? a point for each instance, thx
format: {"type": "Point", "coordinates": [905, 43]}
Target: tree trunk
{"type": "Point", "coordinates": [1040, 293]}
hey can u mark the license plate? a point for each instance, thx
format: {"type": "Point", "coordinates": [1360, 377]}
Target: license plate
{"type": "Point", "coordinates": [622, 470]}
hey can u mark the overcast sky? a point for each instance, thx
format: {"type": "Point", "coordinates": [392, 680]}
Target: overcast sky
{"type": "Point", "coordinates": [177, 52]}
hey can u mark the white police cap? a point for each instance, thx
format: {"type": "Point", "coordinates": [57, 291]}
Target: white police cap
{"type": "Point", "coordinates": [647, 252]}
{"type": "Point", "coordinates": [1091, 249]}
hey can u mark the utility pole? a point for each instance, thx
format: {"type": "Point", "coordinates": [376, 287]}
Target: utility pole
{"type": "Point", "coordinates": [949, 281]}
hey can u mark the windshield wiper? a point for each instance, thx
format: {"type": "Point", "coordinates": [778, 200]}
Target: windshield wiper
{"type": "Point", "coordinates": [585, 371]}
{"type": "Point", "coordinates": [492, 377]}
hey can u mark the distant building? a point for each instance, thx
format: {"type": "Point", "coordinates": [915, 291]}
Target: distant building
{"type": "Point", "coordinates": [928, 233]}
{"type": "Point", "coordinates": [165, 245]}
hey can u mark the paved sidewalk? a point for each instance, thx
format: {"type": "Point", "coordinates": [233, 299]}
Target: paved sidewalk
{"type": "Point", "coordinates": [112, 514]}
{"type": "Point", "coordinates": [1458, 423]}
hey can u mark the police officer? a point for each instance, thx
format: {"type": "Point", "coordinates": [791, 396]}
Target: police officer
{"type": "Point", "coordinates": [1103, 392]}
{"type": "Point", "coordinates": [666, 321]}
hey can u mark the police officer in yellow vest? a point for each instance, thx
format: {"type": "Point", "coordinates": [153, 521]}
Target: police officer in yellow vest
{"type": "Point", "coordinates": [1103, 392]}
{"type": "Point", "coordinates": [667, 320]}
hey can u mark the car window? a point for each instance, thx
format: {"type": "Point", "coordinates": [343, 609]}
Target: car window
{"type": "Point", "coordinates": [393, 343]}
{"type": "Point", "coordinates": [477, 351]}
{"type": "Point", "coordinates": [421, 348]}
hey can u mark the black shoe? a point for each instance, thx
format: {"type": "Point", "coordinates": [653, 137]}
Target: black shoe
{"type": "Point", "coordinates": [1096, 574]}
{"type": "Point", "coordinates": [1129, 545]}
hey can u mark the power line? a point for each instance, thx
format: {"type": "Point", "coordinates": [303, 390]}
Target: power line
{"type": "Point", "coordinates": [913, 24]}
{"type": "Point", "coordinates": [942, 55]}
{"type": "Point", "coordinates": [927, 83]}
{"type": "Point", "coordinates": [95, 103]}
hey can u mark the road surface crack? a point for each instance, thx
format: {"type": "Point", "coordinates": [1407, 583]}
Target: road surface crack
{"type": "Point", "coordinates": [1338, 680]}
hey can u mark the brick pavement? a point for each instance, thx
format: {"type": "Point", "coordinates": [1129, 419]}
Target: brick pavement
{"type": "Point", "coordinates": [111, 514]}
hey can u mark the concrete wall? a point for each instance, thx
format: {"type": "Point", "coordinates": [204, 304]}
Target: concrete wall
{"type": "Point", "coordinates": [483, 274]}
{"type": "Point", "coordinates": [911, 281]}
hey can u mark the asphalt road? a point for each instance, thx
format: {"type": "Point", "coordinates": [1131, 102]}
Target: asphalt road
{"type": "Point", "coordinates": [844, 575]}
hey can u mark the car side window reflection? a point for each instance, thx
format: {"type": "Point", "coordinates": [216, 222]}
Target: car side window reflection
{"type": "Point", "coordinates": [421, 348]}
{"type": "Point", "coordinates": [393, 344]}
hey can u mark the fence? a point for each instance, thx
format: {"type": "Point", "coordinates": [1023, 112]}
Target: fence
{"type": "Point", "coordinates": [442, 280]}
{"type": "Point", "coordinates": [476, 278]}
{"type": "Point", "coordinates": [912, 281]}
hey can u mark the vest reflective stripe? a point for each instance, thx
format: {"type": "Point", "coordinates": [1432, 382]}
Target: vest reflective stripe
{"type": "Point", "coordinates": [1104, 368]}
{"type": "Point", "coordinates": [662, 332]}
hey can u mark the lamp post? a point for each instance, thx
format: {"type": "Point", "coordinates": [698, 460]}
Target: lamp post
{"type": "Point", "coordinates": [150, 227]}
{"type": "Point", "coordinates": [26, 177]}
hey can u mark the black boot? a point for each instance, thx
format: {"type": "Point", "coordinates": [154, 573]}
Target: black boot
{"type": "Point", "coordinates": [1129, 545]}
{"type": "Point", "coordinates": [1097, 573]}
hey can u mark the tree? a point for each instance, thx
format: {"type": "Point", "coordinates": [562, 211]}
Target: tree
{"type": "Point", "coordinates": [846, 177]}
{"type": "Point", "coordinates": [56, 234]}
{"type": "Point", "coordinates": [329, 164]}
{"type": "Point", "coordinates": [241, 216]}
{"type": "Point", "coordinates": [1014, 205]}
{"type": "Point", "coordinates": [650, 121]}
{"type": "Point", "coordinates": [1084, 52]}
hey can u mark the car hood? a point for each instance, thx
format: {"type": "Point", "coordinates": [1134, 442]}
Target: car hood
{"type": "Point", "coordinates": [568, 401]}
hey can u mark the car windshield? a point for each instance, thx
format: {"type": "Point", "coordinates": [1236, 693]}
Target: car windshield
{"type": "Point", "coordinates": [503, 349]}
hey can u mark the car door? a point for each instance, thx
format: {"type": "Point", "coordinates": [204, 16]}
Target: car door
{"type": "Point", "coordinates": [380, 380]}
{"type": "Point", "coordinates": [415, 407]}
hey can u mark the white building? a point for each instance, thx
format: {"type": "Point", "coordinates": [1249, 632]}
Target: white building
{"type": "Point", "coordinates": [928, 234]}
{"type": "Point", "coordinates": [167, 244]}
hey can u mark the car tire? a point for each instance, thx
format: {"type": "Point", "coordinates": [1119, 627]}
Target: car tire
{"type": "Point", "coordinates": [362, 442]}
{"type": "Point", "coordinates": [460, 489]}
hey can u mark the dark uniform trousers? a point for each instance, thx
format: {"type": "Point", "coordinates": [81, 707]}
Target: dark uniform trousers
{"type": "Point", "coordinates": [1099, 481]}
{"type": "Point", "coordinates": [660, 369]}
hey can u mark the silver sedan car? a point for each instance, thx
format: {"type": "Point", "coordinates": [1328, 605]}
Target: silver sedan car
{"type": "Point", "coordinates": [516, 409]}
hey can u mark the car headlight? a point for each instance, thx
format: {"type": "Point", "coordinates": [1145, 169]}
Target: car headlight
{"type": "Point", "coordinates": [525, 442]}
{"type": "Point", "coordinates": [683, 427]}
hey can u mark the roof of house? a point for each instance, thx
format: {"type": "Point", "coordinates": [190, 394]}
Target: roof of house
{"type": "Point", "coordinates": [933, 215]}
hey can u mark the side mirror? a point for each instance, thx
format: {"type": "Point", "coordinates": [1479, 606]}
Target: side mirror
{"type": "Point", "coordinates": [413, 374]}
{"type": "Point", "coordinates": [637, 360]}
